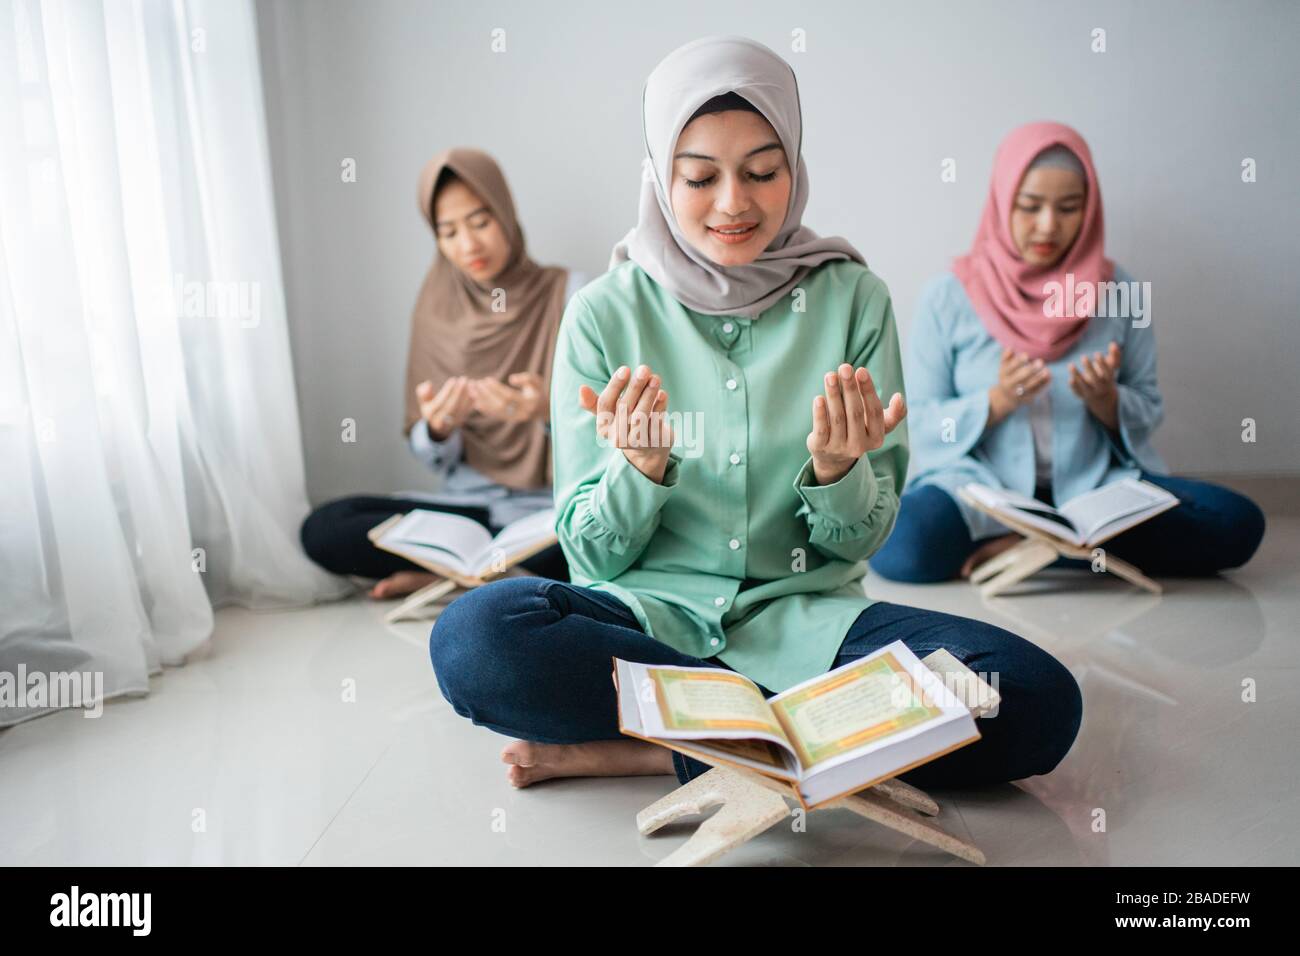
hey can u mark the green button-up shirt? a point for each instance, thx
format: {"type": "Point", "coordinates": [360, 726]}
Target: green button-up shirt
{"type": "Point", "coordinates": [738, 553]}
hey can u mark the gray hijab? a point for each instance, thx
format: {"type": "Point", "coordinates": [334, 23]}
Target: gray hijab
{"type": "Point", "coordinates": [686, 79]}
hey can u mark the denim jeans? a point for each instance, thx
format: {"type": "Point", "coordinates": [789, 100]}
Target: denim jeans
{"type": "Point", "coordinates": [531, 658]}
{"type": "Point", "coordinates": [1212, 529]}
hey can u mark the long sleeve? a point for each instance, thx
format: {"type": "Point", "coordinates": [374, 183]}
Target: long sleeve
{"type": "Point", "coordinates": [1141, 409]}
{"type": "Point", "coordinates": [441, 457]}
{"type": "Point", "coordinates": [946, 426]}
{"type": "Point", "coordinates": [851, 518]}
{"type": "Point", "coordinates": [606, 510]}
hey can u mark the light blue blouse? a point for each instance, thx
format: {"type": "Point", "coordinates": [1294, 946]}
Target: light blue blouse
{"type": "Point", "coordinates": [952, 362]}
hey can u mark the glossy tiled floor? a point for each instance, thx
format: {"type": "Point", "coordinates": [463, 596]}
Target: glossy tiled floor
{"type": "Point", "coordinates": [255, 741]}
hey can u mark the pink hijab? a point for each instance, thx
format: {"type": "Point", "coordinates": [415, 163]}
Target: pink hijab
{"type": "Point", "coordinates": [1007, 292]}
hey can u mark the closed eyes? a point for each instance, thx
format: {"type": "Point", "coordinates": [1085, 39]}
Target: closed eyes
{"type": "Point", "coordinates": [754, 177]}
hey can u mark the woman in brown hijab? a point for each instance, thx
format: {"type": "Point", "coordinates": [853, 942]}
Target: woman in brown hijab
{"type": "Point", "coordinates": [477, 379]}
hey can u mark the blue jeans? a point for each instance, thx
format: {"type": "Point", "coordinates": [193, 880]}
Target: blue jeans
{"type": "Point", "coordinates": [1211, 530]}
{"type": "Point", "coordinates": [531, 658]}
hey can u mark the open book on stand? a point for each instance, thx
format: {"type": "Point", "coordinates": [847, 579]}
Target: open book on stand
{"type": "Point", "coordinates": [832, 735]}
{"type": "Point", "coordinates": [461, 549]}
{"type": "Point", "coordinates": [1084, 521]}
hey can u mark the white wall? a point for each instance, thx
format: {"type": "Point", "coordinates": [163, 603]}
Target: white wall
{"type": "Point", "coordinates": [1184, 91]}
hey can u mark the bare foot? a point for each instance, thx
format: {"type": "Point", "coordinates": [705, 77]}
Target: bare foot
{"type": "Point", "coordinates": [987, 550]}
{"type": "Point", "coordinates": [401, 584]}
{"type": "Point", "coordinates": [529, 762]}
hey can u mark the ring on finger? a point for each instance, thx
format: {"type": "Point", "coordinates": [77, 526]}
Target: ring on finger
{"type": "Point", "coordinates": [1020, 391]}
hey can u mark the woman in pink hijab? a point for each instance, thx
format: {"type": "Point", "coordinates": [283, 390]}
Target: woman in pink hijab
{"type": "Point", "coordinates": [1031, 366]}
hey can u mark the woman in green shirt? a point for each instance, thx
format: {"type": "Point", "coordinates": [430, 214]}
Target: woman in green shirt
{"type": "Point", "coordinates": [729, 525]}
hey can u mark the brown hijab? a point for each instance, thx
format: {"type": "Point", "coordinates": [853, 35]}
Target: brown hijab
{"type": "Point", "coordinates": [454, 330]}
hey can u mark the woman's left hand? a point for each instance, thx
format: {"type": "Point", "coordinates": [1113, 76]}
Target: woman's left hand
{"type": "Point", "coordinates": [848, 422]}
{"type": "Point", "coordinates": [1095, 380]}
{"type": "Point", "coordinates": [526, 401]}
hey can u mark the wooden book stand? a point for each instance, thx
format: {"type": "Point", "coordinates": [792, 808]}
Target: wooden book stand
{"type": "Point", "coordinates": [752, 803]}
{"type": "Point", "coordinates": [1037, 551]}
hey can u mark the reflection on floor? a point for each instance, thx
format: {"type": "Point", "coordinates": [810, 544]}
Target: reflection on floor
{"type": "Point", "coordinates": [251, 754]}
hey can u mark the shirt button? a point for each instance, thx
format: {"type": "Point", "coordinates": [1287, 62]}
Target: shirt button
{"type": "Point", "coordinates": [731, 384]}
{"type": "Point", "coordinates": [735, 459]}
{"type": "Point", "coordinates": [734, 544]}
{"type": "Point", "coordinates": [727, 327]}
{"type": "Point", "coordinates": [719, 601]}
{"type": "Point", "coordinates": [714, 642]}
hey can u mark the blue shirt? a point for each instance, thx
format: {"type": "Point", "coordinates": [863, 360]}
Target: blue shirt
{"type": "Point", "coordinates": [952, 362]}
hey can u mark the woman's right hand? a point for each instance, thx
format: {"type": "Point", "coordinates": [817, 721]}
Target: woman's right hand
{"type": "Point", "coordinates": [1020, 378]}
{"type": "Point", "coordinates": [447, 410]}
{"type": "Point", "coordinates": [631, 414]}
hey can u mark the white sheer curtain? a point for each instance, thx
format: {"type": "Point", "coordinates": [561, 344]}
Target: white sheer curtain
{"type": "Point", "coordinates": [150, 456]}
